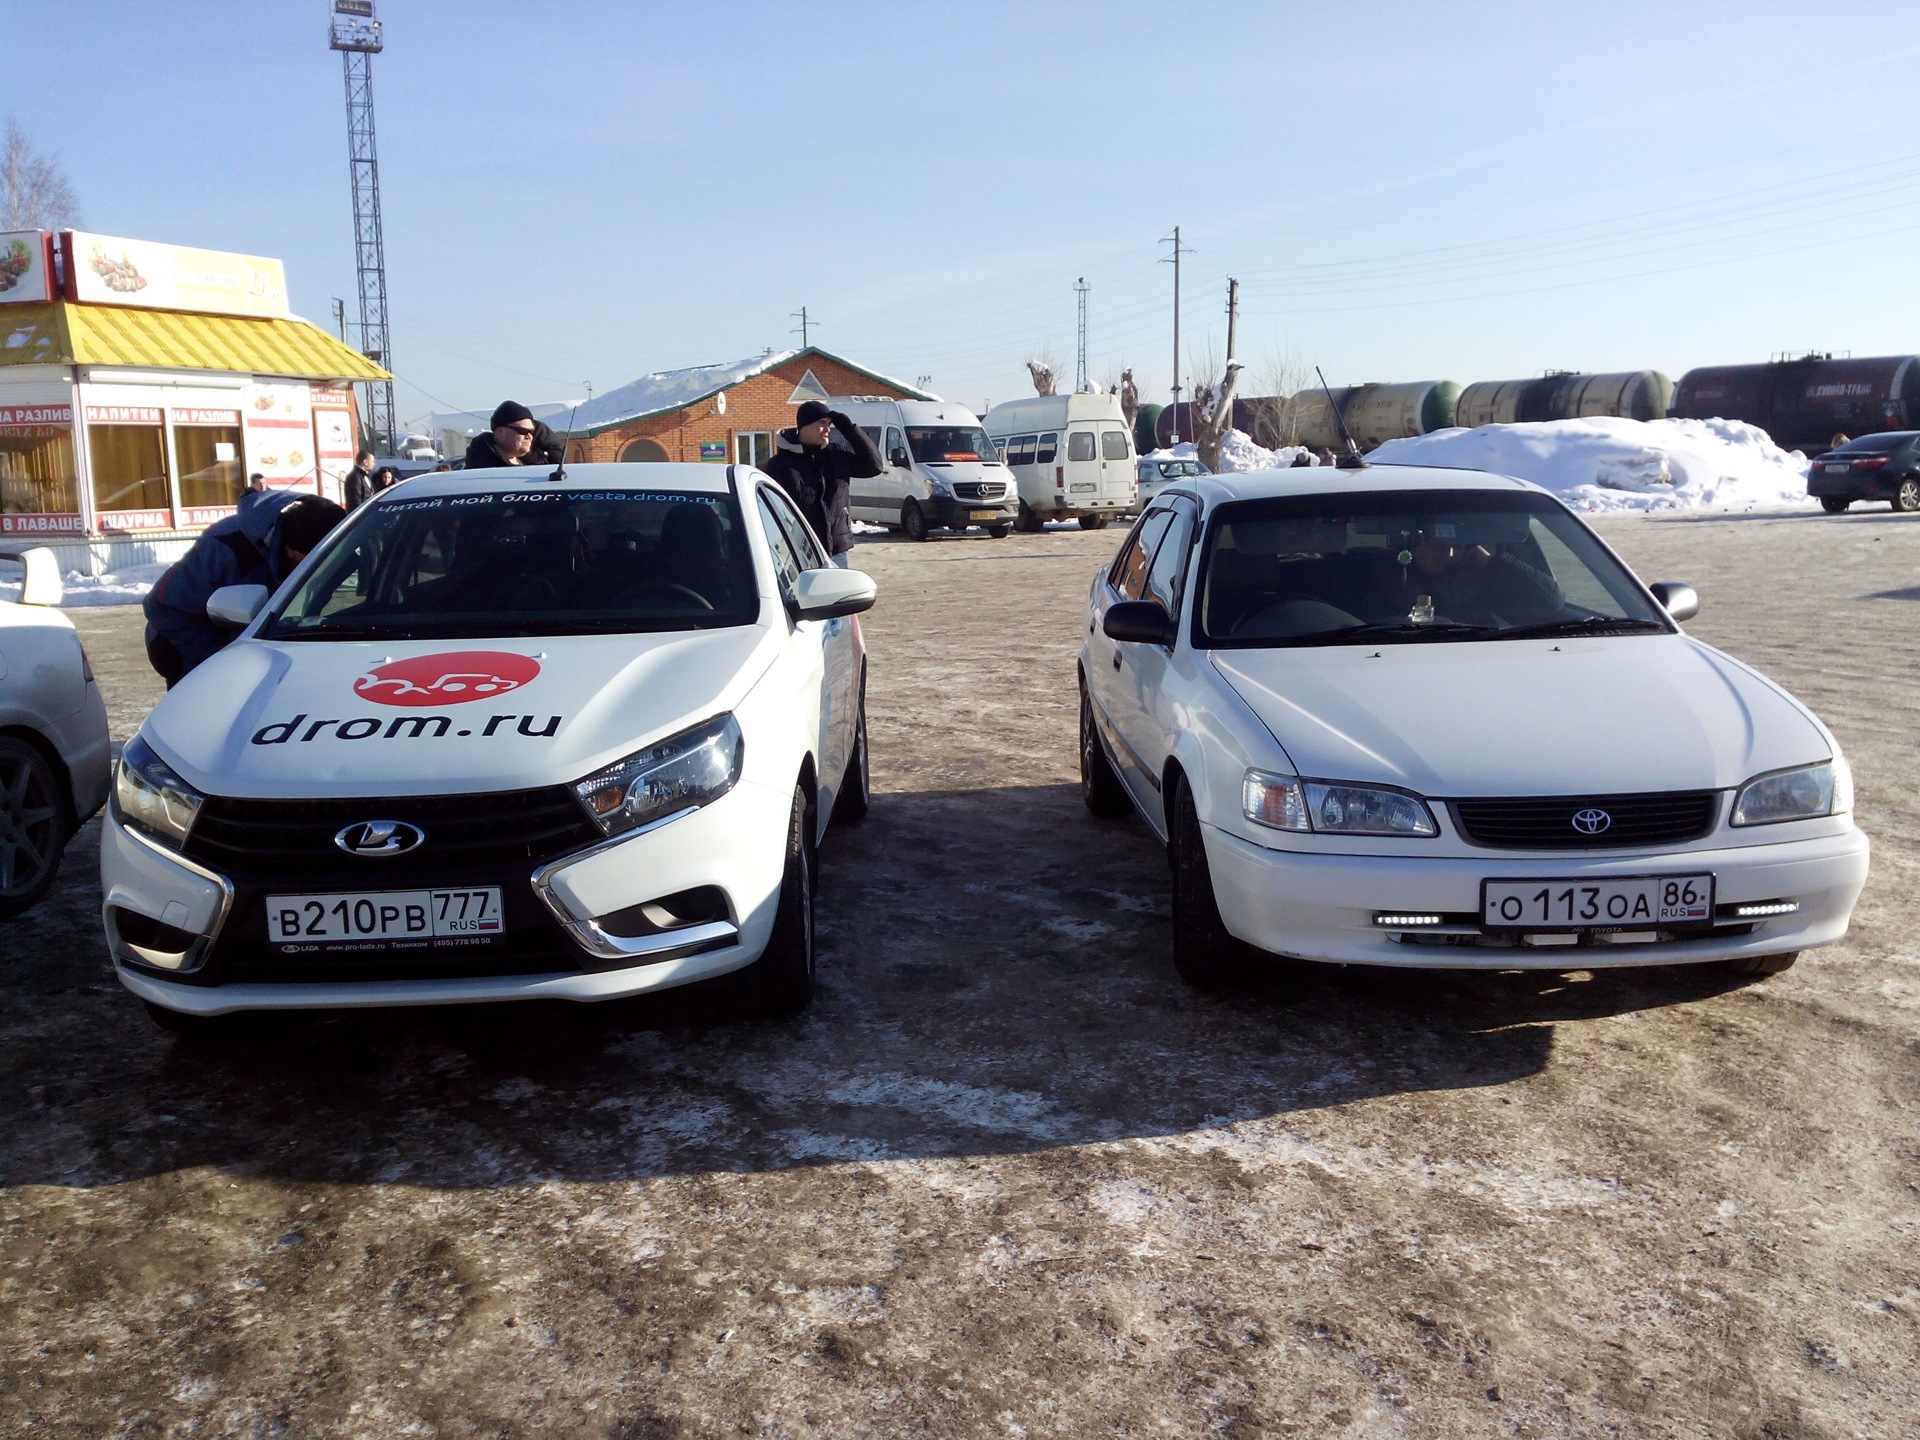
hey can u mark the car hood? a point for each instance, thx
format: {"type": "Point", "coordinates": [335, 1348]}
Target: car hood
{"type": "Point", "coordinates": [311, 719]}
{"type": "Point", "coordinates": [1525, 717]}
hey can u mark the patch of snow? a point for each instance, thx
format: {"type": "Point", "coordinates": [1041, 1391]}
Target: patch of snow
{"type": "Point", "coordinates": [123, 587]}
{"type": "Point", "coordinates": [1603, 463]}
{"type": "Point", "coordinates": [1239, 453]}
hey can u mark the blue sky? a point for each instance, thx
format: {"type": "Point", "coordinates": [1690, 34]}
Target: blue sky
{"type": "Point", "coordinates": [581, 193]}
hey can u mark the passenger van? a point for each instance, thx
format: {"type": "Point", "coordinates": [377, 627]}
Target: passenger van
{"type": "Point", "coordinates": [1071, 457]}
{"type": "Point", "coordinates": [940, 472]}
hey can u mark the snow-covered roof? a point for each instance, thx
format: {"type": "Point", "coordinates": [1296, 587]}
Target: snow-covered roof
{"type": "Point", "coordinates": [666, 390]}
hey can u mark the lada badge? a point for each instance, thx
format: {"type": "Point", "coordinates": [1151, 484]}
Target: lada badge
{"type": "Point", "coordinates": [380, 837]}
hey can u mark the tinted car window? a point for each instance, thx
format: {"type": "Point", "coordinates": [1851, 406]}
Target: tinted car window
{"type": "Point", "coordinates": [787, 564]}
{"type": "Point", "coordinates": [1167, 569]}
{"type": "Point", "coordinates": [1130, 570]}
{"type": "Point", "coordinates": [1873, 444]}
{"type": "Point", "coordinates": [1049, 448]}
{"type": "Point", "coordinates": [1020, 450]}
{"type": "Point", "coordinates": [806, 545]}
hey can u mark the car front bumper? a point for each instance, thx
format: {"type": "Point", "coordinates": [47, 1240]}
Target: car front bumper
{"type": "Point", "coordinates": [1323, 907]}
{"type": "Point", "coordinates": [555, 948]}
{"type": "Point", "coordinates": [945, 512]}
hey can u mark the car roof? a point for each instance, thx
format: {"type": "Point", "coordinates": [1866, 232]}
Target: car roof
{"type": "Point", "coordinates": [700, 479]}
{"type": "Point", "coordinates": [1330, 480]}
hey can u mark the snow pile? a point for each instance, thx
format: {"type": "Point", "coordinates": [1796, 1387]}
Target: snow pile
{"type": "Point", "coordinates": [1611, 464]}
{"type": "Point", "coordinates": [124, 587]}
{"type": "Point", "coordinates": [1238, 453]}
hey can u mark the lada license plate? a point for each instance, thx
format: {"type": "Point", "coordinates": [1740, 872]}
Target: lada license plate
{"type": "Point", "coordinates": [1595, 904]}
{"type": "Point", "coordinates": [384, 915]}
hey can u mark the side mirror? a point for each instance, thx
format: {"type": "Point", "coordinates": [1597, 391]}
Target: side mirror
{"type": "Point", "coordinates": [1144, 622]}
{"type": "Point", "coordinates": [40, 585]}
{"type": "Point", "coordinates": [900, 458]}
{"type": "Point", "coordinates": [236, 605]}
{"type": "Point", "coordinates": [824, 594]}
{"type": "Point", "coordinates": [1679, 599]}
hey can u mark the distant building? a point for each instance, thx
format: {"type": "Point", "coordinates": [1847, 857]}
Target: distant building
{"type": "Point", "coordinates": [717, 413]}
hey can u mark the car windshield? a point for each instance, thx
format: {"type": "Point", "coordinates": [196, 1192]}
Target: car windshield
{"type": "Point", "coordinates": [528, 562]}
{"type": "Point", "coordinates": [1410, 567]}
{"type": "Point", "coordinates": [950, 442]}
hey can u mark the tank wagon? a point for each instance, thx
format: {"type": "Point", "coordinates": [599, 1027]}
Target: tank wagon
{"type": "Point", "coordinates": [1803, 403]}
{"type": "Point", "coordinates": [1374, 414]}
{"type": "Point", "coordinates": [1248, 417]}
{"type": "Point", "coordinates": [1565, 395]}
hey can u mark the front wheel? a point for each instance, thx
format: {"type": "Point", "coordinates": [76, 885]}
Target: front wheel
{"type": "Point", "coordinates": [1907, 498]}
{"type": "Point", "coordinates": [1763, 964]}
{"type": "Point", "coordinates": [781, 981]}
{"type": "Point", "coordinates": [1205, 953]}
{"type": "Point", "coordinates": [999, 532]}
{"type": "Point", "coordinates": [1834, 504]}
{"type": "Point", "coordinates": [1027, 522]}
{"type": "Point", "coordinates": [1102, 790]}
{"type": "Point", "coordinates": [913, 522]}
{"type": "Point", "coordinates": [1093, 522]}
{"type": "Point", "coordinates": [33, 824]}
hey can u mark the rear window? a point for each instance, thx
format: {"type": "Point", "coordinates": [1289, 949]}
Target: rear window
{"type": "Point", "coordinates": [528, 562]}
{"type": "Point", "coordinates": [1873, 444]}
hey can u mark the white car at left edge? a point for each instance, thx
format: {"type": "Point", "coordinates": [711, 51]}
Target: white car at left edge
{"type": "Point", "coordinates": [507, 734]}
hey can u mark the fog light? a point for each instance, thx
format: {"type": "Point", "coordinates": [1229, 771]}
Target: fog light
{"type": "Point", "coordinates": [1405, 922]}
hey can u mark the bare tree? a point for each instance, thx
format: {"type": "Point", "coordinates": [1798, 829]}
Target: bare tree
{"type": "Point", "coordinates": [1129, 398]}
{"type": "Point", "coordinates": [1210, 412]}
{"type": "Point", "coordinates": [34, 193]}
{"type": "Point", "coordinates": [1282, 375]}
{"type": "Point", "coordinates": [1043, 370]}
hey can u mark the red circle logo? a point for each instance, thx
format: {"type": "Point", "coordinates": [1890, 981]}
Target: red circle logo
{"type": "Point", "coordinates": [451, 679]}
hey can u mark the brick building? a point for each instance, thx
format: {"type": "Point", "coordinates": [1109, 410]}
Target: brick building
{"type": "Point", "coordinates": [716, 412]}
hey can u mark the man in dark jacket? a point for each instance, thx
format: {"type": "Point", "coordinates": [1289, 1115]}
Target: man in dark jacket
{"type": "Point", "coordinates": [816, 471]}
{"type": "Point", "coordinates": [517, 439]}
{"type": "Point", "coordinates": [357, 488]}
{"type": "Point", "coordinates": [259, 544]}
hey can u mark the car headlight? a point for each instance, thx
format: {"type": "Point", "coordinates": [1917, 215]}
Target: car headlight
{"type": "Point", "coordinates": [149, 794]}
{"type": "Point", "coordinates": [1805, 793]}
{"type": "Point", "coordinates": [688, 770]}
{"type": "Point", "coordinates": [1286, 802]}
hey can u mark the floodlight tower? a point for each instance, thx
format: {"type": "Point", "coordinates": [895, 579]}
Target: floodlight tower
{"type": "Point", "coordinates": [355, 33]}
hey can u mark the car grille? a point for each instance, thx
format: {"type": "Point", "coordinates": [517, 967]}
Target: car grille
{"type": "Point", "coordinates": [1548, 822]}
{"type": "Point", "coordinates": [465, 834]}
{"type": "Point", "coordinates": [980, 490]}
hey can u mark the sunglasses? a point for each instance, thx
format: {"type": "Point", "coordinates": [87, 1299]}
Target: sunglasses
{"type": "Point", "coordinates": [528, 430]}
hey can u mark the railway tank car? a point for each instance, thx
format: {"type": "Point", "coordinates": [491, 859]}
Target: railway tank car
{"type": "Point", "coordinates": [1374, 413]}
{"type": "Point", "coordinates": [1566, 395]}
{"type": "Point", "coordinates": [1803, 403]}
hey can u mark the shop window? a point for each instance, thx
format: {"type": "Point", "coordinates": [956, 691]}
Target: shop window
{"type": "Point", "coordinates": [753, 447]}
{"type": "Point", "coordinates": [207, 459]}
{"type": "Point", "coordinates": [643, 452]}
{"type": "Point", "coordinates": [36, 471]}
{"type": "Point", "coordinates": [129, 467]}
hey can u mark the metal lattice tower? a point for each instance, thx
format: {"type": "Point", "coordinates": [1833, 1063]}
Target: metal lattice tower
{"type": "Point", "coordinates": [1080, 369]}
{"type": "Point", "coordinates": [356, 34]}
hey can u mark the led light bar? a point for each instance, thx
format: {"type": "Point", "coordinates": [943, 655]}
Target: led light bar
{"type": "Point", "coordinates": [1765, 907]}
{"type": "Point", "coordinates": [1405, 922]}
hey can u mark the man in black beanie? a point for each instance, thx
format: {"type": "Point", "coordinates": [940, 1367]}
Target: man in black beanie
{"type": "Point", "coordinates": [517, 439]}
{"type": "Point", "coordinates": [817, 470]}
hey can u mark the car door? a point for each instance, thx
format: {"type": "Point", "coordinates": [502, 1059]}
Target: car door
{"type": "Point", "coordinates": [1117, 481]}
{"type": "Point", "coordinates": [899, 475]}
{"type": "Point", "coordinates": [1110, 681]}
{"type": "Point", "coordinates": [867, 497]}
{"type": "Point", "coordinates": [829, 646]}
{"type": "Point", "coordinates": [1154, 679]}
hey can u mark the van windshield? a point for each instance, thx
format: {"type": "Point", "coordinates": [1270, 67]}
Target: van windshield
{"type": "Point", "coordinates": [548, 562]}
{"type": "Point", "coordinates": [950, 442]}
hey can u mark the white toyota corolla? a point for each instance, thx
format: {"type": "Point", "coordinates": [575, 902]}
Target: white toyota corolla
{"type": "Point", "coordinates": [1402, 716]}
{"type": "Point", "coordinates": [507, 734]}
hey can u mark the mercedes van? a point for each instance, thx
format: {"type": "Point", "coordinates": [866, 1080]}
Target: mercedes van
{"type": "Point", "coordinates": [940, 471]}
{"type": "Point", "coordinates": [1071, 457]}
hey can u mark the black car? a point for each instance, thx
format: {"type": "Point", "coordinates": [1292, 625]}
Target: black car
{"type": "Point", "coordinates": [1874, 467]}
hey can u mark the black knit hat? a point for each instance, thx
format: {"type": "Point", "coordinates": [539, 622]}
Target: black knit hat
{"type": "Point", "coordinates": [810, 411]}
{"type": "Point", "coordinates": [509, 412]}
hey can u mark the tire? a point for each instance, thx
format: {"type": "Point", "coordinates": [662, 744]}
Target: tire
{"type": "Point", "coordinates": [33, 824]}
{"type": "Point", "coordinates": [781, 981]}
{"type": "Point", "coordinates": [1027, 522]}
{"type": "Point", "coordinates": [913, 522]}
{"type": "Point", "coordinates": [1834, 504]}
{"type": "Point", "coordinates": [1093, 522]}
{"type": "Point", "coordinates": [1763, 964]}
{"type": "Point", "coordinates": [1906, 499]}
{"type": "Point", "coordinates": [1205, 954]}
{"type": "Point", "coordinates": [1105, 794]}
{"type": "Point", "coordinates": [850, 805]}
{"type": "Point", "coordinates": [999, 532]}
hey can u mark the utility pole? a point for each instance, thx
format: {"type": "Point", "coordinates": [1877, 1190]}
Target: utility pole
{"type": "Point", "coordinates": [356, 34]}
{"type": "Point", "coordinates": [1080, 370]}
{"type": "Point", "coordinates": [340, 317]}
{"type": "Point", "coordinates": [1174, 260]}
{"type": "Point", "coordinates": [1233, 314]}
{"type": "Point", "coordinates": [805, 325]}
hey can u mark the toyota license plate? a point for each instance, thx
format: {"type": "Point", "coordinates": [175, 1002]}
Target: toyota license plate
{"type": "Point", "coordinates": [1628, 903]}
{"type": "Point", "coordinates": [384, 915]}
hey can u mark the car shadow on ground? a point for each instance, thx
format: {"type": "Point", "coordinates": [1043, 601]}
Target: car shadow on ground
{"type": "Point", "coordinates": [995, 978]}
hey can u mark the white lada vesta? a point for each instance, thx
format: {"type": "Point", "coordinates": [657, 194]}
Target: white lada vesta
{"type": "Point", "coordinates": [506, 735]}
{"type": "Point", "coordinates": [1403, 716]}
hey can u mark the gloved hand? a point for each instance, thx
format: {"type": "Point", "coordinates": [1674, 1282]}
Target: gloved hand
{"type": "Point", "coordinates": [841, 421]}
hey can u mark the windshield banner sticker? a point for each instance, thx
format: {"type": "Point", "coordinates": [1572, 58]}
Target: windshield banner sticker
{"type": "Point", "coordinates": [449, 679]}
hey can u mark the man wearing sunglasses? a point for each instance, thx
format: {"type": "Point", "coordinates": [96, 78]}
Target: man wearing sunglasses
{"type": "Point", "coordinates": [516, 439]}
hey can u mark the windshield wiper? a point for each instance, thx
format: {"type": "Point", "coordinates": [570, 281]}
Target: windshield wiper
{"type": "Point", "coordinates": [1586, 625]}
{"type": "Point", "coordinates": [1397, 627]}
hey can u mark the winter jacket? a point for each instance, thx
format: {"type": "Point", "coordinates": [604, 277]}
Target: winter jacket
{"type": "Point", "coordinates": [357, 488]}
{"type": "Point", "coordinates": [818, 477]}
{"type": "Point", "coordinates": [243, 549]}
{"type": "Point", "coordinates": [484, 454]}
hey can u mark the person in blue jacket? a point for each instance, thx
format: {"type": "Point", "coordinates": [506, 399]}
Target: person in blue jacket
{"type": "Point", "coordinates": [259, 544]}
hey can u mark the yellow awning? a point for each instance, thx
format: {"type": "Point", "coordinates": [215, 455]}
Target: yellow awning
{"type": "Point", "coordinates": [66, 334]}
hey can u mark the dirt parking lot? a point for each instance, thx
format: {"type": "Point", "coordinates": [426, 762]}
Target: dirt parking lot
{"type": "Point", "coordinates": [1008, 1177]}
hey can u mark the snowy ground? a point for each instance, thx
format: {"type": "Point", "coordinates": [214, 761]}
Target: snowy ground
{"type": "Point", "coordinates": [124, 587]}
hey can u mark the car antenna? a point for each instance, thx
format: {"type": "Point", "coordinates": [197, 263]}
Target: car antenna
{"type": "Point", "coordinates": [1352, 460]}
{"type": "Point", "coordinates": [560, 470]}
